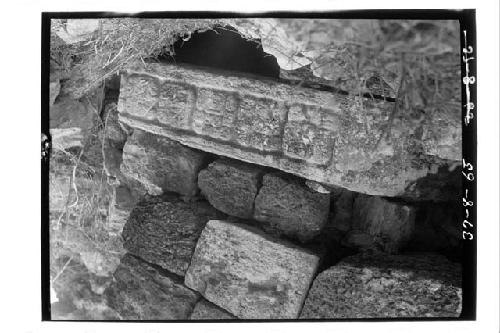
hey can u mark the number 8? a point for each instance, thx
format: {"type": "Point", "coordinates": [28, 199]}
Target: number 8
{"type": "Point", "coordinates": [471, 236]}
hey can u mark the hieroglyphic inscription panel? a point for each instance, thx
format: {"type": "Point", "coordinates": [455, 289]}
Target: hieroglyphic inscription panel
{"type": "Point", "coordinates": [258, 123]}
{"type": "Point", "coordinates": [299, 130]}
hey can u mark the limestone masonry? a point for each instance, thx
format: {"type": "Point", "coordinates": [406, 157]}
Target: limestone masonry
{"type": "Point", "coordinates": [368, 286]}
{"type": "Point", "coordinates": [231, 186]}
{"type": "Point", "coordinates": [284, 206]}
{"type": "Point", "coordinates": [250, 274]}
{"type": "Point", "coordinates": [322, 136]}
{"type": "Point", "coordinates": [328, 188]}
{"type": "Point", "coordinates": [164, 230]}
{"type": "Point", "coordinates": [161, 164]}
{"type": "Point", "coordinates": [140, 292]}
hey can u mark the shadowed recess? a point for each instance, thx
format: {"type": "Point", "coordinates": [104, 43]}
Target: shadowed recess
{"type": "Point", "coordinates": [224, 49]}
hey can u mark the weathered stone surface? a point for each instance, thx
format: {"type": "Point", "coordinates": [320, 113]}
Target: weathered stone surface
{"type": "Point", "coordinates": [69, 113]}
{"type": "Point", "coordinates": [386, 286]}
{"type": "Point", "coordinates": [115, 137]}
{"type": "Point", "coordinates": [136, 190]}
{"type": "Point", "coordinates": [317, 187]}
{"type": "Point", "coordinates": [140, 292]}
{"type": "Point", "coordinates": [80, 205]}
{"type": "Point", "coordinates": [115, 131]}
{"type": "Point", "coordinates": [113, 157]}
{"type": "Point", "coordinates": [122, 203]}
{"type": "Point", "coordinates": [390, 224]}
{"type": "Point", "coordinates": [61, 192]}
{"type": "Point", "coordinates": [76, 30]}
{"type": "Point", "coordinates": [350, 54]}
{"type": "Point", "coordinates": [76, 293]}
{"type": "Point", "coordinates": [204, 310]}
{"type": "Point", "coordinates": [444, 138]}
{"type": "Point", "coordinates": [161, 164]}
{"type": "Point", "coordinates": [329, 138]}
{"type": "Point", "coordinates": [66, 138]}
{"type": "Point", "coordinates": [250, 274]}
{"type": "Point", "coordinates": [231, 186]}
{"type": "Point", "coordinates": [286, 206]}
{"type": "Point", "coordinates": [164, 230]}
{"type": "Point", "coordinates": [54, 88]}
{"type": "Point", "coordinates": [99, 263]}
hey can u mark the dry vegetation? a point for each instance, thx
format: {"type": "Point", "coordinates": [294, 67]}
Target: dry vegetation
{"type": "Point", "coordinates": [420, 49]}
{"type": "Point", "coordinates": [83, 238]}
{"type": "Point", "coordinates": [116, 43]}
{"type": "Point", "coordinates": [81, 195]}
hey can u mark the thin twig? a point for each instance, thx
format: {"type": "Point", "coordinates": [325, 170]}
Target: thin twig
{"type": "Point", "coordinates": [62, 270]}
{"type": "Point", "coordinates": [116, 56]}
{"type": "Point", "coordinates": [387, 131]}
{"type": "Point", "coordinates": [73, 184]}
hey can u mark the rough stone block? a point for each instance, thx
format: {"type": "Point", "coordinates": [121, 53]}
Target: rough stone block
{"type": "Point", "coordinates": [161, 164]}
{"type": "Point", "coordinates": [307, 134]}
{"type": "Point", "coordinates": [204, 310]}
{"type": "Point", "coordinates": [391, 224]}
{"type": "Point", "coordinates": [140, 292]}
{"type": "Point", "coordinates": [250, 274]}
{"type": "Point", "coordinates": [326, 137]}
{"type": "Point", "coordinates": [386, 286]}
{"type": "Point", "coordinates": [231, 186]}
{"type": "Point", "coordinates": [164, 230]}
{"type": "Point", "coordinates": [286, 206]}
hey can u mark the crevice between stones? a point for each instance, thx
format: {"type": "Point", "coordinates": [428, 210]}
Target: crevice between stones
{"type": "Point", "coordinates": [179, 279]}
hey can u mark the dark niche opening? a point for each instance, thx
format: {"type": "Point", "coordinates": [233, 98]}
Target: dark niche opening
{"type": "Point", "coordinates": [225, 49]}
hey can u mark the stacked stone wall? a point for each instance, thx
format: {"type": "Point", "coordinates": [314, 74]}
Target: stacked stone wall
{"type": "Point", "coordinates": [234, 197]}
{"type": "Point", "coordinates": [251, 242]}
{"type": "Point", "coordinates": [239, 197]}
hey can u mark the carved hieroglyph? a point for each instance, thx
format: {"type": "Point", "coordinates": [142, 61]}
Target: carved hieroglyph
{"type": "Point", "coordinates": [322, 136]}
